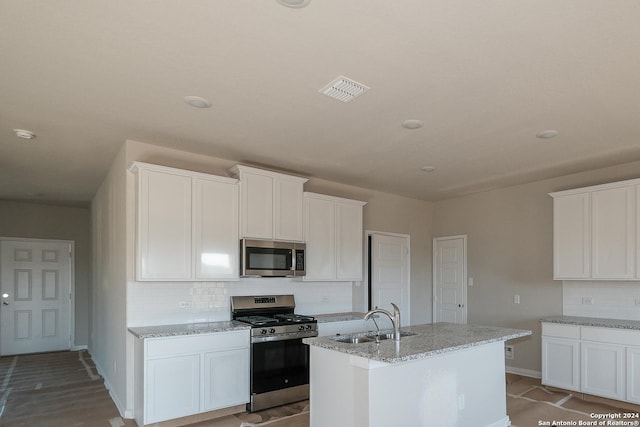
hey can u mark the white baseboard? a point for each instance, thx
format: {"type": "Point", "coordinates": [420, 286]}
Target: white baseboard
{"type": "Point", "coordinates": [79, 347]}
{"type": "Point", "coordinates": [523, 372]}
{"type": "Point", "coordinates": [121, 408]}
{"type": "Point", "coordinates": [505, 422]}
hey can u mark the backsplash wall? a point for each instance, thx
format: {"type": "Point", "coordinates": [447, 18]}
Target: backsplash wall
{"type": "Point", "coordinates": [165, 303]}
{"type": "Point", "coordinates": [611, 299]}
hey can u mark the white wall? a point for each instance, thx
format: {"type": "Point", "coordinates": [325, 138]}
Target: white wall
{"type": "Point", "coordinates": [510, 251]}
{"type": "Point", "coordinates": [611, 299]}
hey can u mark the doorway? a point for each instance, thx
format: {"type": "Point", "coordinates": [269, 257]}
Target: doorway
{"type": "Point", "coordinates": [36, 291]}
{"type": "Point", "coordinates": [450, 279]}
{"type": "Point", "coordinates": [388, 270]}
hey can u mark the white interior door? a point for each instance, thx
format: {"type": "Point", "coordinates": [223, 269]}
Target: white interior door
{"type": "Point", "coordinates": [390, 273]}
{"type": "Point", "coordinates": [450, 279]}
{"type": "Point", "coordinates": [35, 283]}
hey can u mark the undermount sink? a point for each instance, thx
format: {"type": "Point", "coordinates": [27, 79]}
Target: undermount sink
{"type": "Point", "coordinates": [353, 340]}
{"type": "Point", "coordinates": [369, 338]}
{"type": "Point", "coordinates": [389, 335]}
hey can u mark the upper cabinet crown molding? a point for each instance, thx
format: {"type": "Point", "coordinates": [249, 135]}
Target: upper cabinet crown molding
{"type": "Point", "coordinates": [596, 232]}
{"type": "Point", "coordinates": [270, 204]}
{"type": "Point", "coordinates": [135, 167]}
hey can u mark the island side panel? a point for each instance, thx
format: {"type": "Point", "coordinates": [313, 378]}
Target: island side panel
{"type": "Point", "coordinates": [454, 389]}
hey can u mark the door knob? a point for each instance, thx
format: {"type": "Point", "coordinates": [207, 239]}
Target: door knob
{"type": "Point", "coordinates": [5, 303]}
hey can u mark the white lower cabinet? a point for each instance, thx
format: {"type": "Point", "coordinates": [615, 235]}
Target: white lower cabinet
{"type": "Point", "coordinates": [173, 387]}
{"type": "Point", "coordinates": [633, 374]}
{"type": "Point", "coordinates": [186, 375]}
{"type": "Point", "coordinates": [560, 363]}
{"type": "Point", "coordinates": [598, 361]}
{"type": "Point", "coordinates": [227, 374]}
{"type": "Point", "coordinates": [602, 372]}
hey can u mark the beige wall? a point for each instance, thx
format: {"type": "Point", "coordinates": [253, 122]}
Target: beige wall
{"type": "Point", "coordinates": [510, 251]}
{"type": "Point", "coordinates": [43, 221]}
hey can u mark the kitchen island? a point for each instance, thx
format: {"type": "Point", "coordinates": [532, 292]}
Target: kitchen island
{"type": "Point", "coordinates": [438, 375]}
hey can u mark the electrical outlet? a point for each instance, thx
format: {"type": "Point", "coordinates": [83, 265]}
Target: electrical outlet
{"type": "Point", "coordinates": [587, 300]}
{"type": "Point", "coordinates": [508, 352]}
{"type": "Point", "coordinates": [325, 299]}
{"type": "Point", "coordinates": [516, 299]}
{"type": "Point", "coordinates": [470, 281]}
{"type": "Point", "coordinates": [185, 304]}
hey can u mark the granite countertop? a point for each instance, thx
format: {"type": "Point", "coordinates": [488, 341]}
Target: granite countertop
{"type": "Point", "coordinates": [339, 317]}
{"type": "Point", "coordinates": [429, 340]}
{"type": "Point", "coordinates": [594, 321]}
{"type": "Point", "coordinates": [160, 331]}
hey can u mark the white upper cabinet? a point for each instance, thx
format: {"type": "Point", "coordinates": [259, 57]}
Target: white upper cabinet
{"type": "Point", "coordinates": [270, 204]}
{"type": "Point", "coordinates": [594, 232]}
{"type": "Point", "coordinates": [613, 233]}
{"type": "Point", "coordinates": [215, 205]}
{"type": "Point", "coordinates": [333, 231]}
{"type": "Point", "coordinates": [187, 225]}
{"type": "Point", "coordinates": [572, 236]}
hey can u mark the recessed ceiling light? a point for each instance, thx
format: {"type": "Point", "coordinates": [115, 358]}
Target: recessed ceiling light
{"type": "Point", "coordinates": [546, 134]}
{"type": "Point", "coordinates": [197, 101]}
{"type": "Point", "coordinates": [24, 134]}
{"type": "Point", "coordinates": [427, 168]}
{"type": "Point", "coordinates": [412, 124]}
{"type": "Point", "coordinates": [297, 4]}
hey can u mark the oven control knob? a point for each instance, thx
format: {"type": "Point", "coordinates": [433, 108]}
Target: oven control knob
{"type": "Point", "coordinates": [263, 331]}
{"type": "Point", "coordinates": [308, 327]}
{"type": "Point", "coordinates": [272, 330]}
{"type": "Point", "coordinates": [301, 328]}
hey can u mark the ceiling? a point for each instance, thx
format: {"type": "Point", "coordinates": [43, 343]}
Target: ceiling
{"type": "Point", "coordinates": [483, 76]}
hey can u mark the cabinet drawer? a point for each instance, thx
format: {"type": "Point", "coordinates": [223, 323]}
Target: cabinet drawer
{"type": "Point", "coordinates": [613, 336]}
{"type": "Point", "coordinates": [160, 347]}
{"type": "Point", "coordinates": [560, 331]}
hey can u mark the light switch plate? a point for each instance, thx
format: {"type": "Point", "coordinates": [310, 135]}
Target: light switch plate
{"type": "Point", "coordinates": [587, 300]}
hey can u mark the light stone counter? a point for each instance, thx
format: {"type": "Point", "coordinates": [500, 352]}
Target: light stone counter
{"type": "Point", "coordinates": [144, 332]}
{"type": "Point", "coordinates": [339, 317]}
{"type": "Point", "coordinates": [429, 340]}
{"type": "Point", "coordinates": [594, 321]}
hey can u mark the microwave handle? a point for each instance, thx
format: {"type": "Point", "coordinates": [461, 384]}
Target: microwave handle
{"type": "Point", "coordinates": [293, 260]}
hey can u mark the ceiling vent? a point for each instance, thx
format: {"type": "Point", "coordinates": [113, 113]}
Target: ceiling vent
{"type": "Point", "coordinates": [344, 89]}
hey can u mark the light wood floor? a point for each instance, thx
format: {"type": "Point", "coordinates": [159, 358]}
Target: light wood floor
{"type": "Point", "coordinates": [64, 390]}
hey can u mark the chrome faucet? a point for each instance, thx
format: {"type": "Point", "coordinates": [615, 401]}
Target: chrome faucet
{"type": "Point", "coordinates": [395, 319]}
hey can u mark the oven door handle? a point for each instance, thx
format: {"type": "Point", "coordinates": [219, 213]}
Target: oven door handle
{"type": "Point", "coordinates": [284, 337]}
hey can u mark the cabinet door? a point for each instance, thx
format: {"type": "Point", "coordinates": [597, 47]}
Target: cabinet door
{"type": "Point", "coordinates": [226, 378]}
{"type": "Point", "coordinates": [633, 374]}
{"type": "Point", "coordinates": [320, 235]}
{"type": "Point", "coordinates": [348, 241]}
{"type": "Point", "coordinates": [172, 388]}
{"type": "Point", "coordinates": [560, 363]}
{"type": "Point", "coordinates": [571, 236]}
{"type": "Point", "coordinates": [164, 226]}
{"type": "Point", "coordinates": [613, 233]}
{"type": "Point", "coordinates": [602, 372]}
{"type": "Point", "coordinates": [288, 223]}
{"type": "Point", "coordinates": [216, 229]}
{"type": "Point", "coordinates": [257, 206]}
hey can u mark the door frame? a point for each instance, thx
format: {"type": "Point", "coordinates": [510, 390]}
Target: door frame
{"type": "Point", "coordinates": [72, 280]}
{"type": "Point", "coordinates": [367, 257]}
{"type": "Point", "coordinates": [465, 275]}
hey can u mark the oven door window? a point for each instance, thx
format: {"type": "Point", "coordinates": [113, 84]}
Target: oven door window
{"type": "Point", "coordinates": [268, 259]}
{"type": "Point", "coordinates": [279, 364]}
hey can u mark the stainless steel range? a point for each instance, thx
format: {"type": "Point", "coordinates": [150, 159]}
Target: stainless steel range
{"type": "Point", "coordinates": [279, 359]}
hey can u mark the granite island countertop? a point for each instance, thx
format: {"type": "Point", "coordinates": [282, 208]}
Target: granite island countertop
{"type": "Point", "coordinates": [160, 331]}
{"type": "Point", "coordinates": [429, 340]}
{"type": "Point", "coordinates": [594, 321]}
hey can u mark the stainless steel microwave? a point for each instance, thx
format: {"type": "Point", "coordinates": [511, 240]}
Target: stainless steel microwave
{"type": "Point", "coordinates": [266, 258]}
